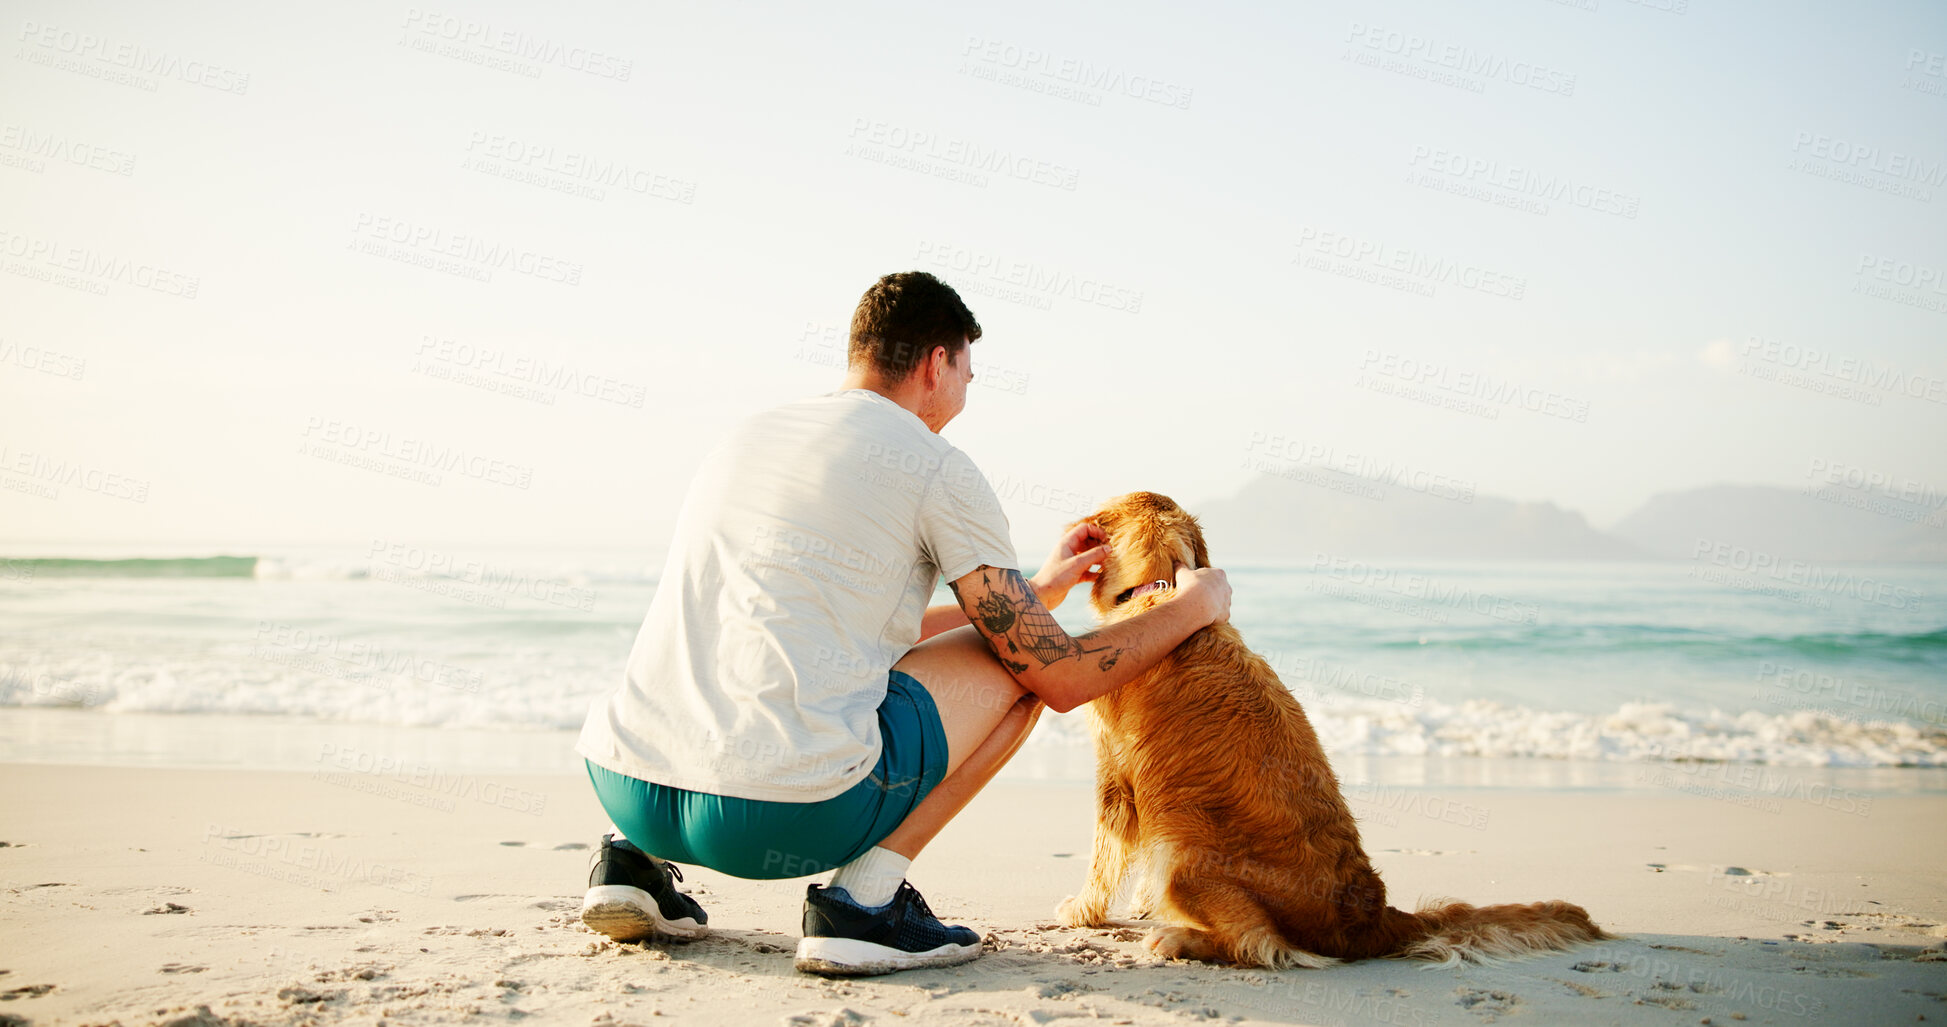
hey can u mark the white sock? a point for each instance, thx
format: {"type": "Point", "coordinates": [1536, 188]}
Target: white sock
{"type": "Point", "coordinates": [872, 878]}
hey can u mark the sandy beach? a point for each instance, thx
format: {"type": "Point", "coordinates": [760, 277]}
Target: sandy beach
{"type": "Point", "coordinates": [222, 896]}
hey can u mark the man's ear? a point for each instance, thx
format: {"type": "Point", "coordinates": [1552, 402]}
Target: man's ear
{"type": "Point", "coordinates": [936, 364]}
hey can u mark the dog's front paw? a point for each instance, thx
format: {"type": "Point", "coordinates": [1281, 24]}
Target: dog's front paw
{"type": "Point", "coordinates": [1073, 912]}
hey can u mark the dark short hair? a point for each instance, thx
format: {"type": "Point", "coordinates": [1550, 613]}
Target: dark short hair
{"type": "Point", "coordinates": [902, 318]}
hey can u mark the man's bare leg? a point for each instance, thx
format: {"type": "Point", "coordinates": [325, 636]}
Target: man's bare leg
{"type": "Point", "coordinates": [986, 717]}
{"type": "Point", "coordinates": [986, 714]}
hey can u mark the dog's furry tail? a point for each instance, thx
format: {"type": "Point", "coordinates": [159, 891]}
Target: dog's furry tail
{"type": "Point", "coordinates": [1448, 932]}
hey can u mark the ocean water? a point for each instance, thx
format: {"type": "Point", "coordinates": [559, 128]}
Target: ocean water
{"type": "Point", "coordinates": [1618, 664]}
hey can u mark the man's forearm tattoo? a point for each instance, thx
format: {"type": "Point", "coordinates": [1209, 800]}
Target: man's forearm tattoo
{"type": "Point", "coordinates": [1009, 611]}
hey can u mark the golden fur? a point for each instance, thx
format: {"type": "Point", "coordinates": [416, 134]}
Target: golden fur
{"type": "Point", "coordinates": [1210, 775]}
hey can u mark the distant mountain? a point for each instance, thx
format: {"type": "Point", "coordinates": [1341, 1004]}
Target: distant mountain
{"type": "Point", "coordinates": [1298, 511]}
{"type": "Point", "coordinates": [1833, 524]}
{"type": "Point", "coordinates": [1301, 511]}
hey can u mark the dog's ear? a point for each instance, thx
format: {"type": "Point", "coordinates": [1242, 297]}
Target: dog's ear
{"type": "Point", "coordinates": [1197, 547]}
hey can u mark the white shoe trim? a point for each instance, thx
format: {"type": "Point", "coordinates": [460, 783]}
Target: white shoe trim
{"type": "Point", "coordinates": [852, 957]}
{"type": "Point", "coordinates": [627, 913]}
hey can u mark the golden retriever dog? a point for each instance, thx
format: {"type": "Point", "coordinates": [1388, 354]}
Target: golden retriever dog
{"type": "Point", "coordinates": [1210, 777]}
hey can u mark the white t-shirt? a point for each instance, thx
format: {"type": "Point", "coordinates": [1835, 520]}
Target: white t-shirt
{"type": "Point", "coordinates": [807, 549]}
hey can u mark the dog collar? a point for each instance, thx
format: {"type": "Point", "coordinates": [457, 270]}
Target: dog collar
{"type": "Point", "coordinates": [1142, 590]}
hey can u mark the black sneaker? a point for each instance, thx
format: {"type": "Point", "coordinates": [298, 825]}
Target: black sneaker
{"type": "Point", "coordinates": [842, 938]}
{"type": "Point", "coordinates": [630, 896]}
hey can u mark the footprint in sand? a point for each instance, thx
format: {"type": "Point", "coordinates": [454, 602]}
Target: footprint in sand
{"type": "Point", "coordinates": [167, 908]}
{"type": "Point", "coordinates": [29, 991]}
{"type": "Point", "coordinates": [1716, 871]}
{"type": "Point", "coordinates": [180, 968]}
{"type": "Point", "coordinates": [836, 1018]}
{"type": "Point", "coordinates": [1489, 1005]}
{"type": "Point", "coordinates": [286, 834]}
{"type": "Point", "coordinates": [1581, 989]}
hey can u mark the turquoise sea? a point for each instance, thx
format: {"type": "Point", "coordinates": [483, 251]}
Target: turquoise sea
{"type": "Point", "coordinates": [250, 657]}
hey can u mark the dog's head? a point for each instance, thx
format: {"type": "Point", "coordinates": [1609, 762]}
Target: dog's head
{"type": "Point", "coordinates": [1149, 538]}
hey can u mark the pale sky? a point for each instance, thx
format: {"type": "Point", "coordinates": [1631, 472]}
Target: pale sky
{"type": "Point", "coordinates": [1705, 241]}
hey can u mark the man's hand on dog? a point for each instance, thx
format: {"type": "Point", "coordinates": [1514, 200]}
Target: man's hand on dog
{"type": "Point", "coordinates": [1074, 561]}
{"type": "Point", "coordinates": [1206, 585]}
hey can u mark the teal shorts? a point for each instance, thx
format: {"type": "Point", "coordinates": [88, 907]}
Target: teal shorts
{"type": "Point", "coordinates": [764, 840]}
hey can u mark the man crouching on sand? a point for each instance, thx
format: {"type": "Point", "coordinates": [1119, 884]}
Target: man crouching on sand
{"type": "Point", "coordinates": [792, 706]}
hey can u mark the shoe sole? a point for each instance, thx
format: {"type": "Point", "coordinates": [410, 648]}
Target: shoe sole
{"type": "Point", "coordinates": [630, 914]}
{"type": "Point", "coordinates": [849, 957]}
